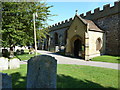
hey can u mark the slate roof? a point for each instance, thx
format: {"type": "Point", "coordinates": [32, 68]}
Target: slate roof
{"type": "Point", "coordinates": [92, 26]}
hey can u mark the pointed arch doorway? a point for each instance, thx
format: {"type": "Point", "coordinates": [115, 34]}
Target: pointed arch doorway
{"type": "Point", "coordinates": [77, 47]}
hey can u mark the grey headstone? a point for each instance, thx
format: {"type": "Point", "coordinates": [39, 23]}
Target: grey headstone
{"type": "Point", "coordinates": [5, 81]}
{"type": "Point", "coordinates": [41, 72]}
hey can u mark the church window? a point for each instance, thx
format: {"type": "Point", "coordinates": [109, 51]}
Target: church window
{"type": "Point", "coordinates": [56, 38]}
{"type": "Point", "coordinates": [98, 44]}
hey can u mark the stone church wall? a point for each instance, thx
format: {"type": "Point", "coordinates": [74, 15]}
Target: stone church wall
{"type": "Point", "coordinates": [61, 38]}
{"type": "Point", "coordinates": [93, 36]}
{"type": "Point", "coordinates": [107, 19]}
{"type": "Point", "coordinates": [110, 25]}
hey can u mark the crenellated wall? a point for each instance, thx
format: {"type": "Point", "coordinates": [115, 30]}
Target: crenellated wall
{"type": "Point", "coordinates": [107, 10]}
{"type": "Point", "coordinates": [107, 19]}
{"type": "Point", "coordinates": [61, 24]}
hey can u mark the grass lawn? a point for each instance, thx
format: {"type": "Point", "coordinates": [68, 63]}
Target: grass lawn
{"type": "Point", "coordinates": [107, 58]}
{"type": "Point", "coordinates": [73, 76]}
{"type": "Point", "coordinates": [26, 55]}
{"type": "Point", "coordinates": [104, 58]}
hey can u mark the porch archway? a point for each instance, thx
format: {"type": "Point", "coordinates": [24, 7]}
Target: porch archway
{"type": "Point", "coordinates": [77, 47]}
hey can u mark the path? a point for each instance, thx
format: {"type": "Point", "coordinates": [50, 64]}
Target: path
{"type": "Point", "coordinates": [69, 60]}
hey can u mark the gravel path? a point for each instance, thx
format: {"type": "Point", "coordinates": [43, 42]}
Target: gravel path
{"type": "Point", "coordinates": [69, 60]}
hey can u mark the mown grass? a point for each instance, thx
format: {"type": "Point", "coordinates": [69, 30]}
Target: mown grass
{"type": "Point", "coordinates": [107, 58]}
{"type": "Point", "coordinates": [26, 55]}
{"type": "Point", "coordinates": [104, 58]}
{"type": "Point", "coordinates": [73, 76]}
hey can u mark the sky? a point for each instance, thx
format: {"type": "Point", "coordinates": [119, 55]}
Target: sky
{"type": "Point", "coordinates": [66, 10]}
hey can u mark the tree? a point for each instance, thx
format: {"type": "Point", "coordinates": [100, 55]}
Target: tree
{"type": "Point", "coordinates": [17, 22]}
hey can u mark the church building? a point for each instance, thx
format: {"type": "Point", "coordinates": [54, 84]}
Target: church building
{"type": "Point", "coordinates": [87, 36]}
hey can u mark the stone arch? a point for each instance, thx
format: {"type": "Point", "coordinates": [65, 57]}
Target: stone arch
{"type": "Point", "coordinates": [76, 40]}
{"type": "Point", "coordinates": [56, 38]}
{"type": "Point", "coordinates": [77, 47]}
{"type": "Point", "coordinates": [98, 44]}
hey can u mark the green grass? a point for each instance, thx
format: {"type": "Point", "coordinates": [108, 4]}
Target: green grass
{"type": "Point", "coordinates": [26, 55]}
{"type": "Point", "coordinates": [107, 58]}
{"type": "Point", "coordinates": [73, 76]}
{"type": "Point", "coordinates": [104, 58]}
{"type": "Point", "coordinates": [18, 76]}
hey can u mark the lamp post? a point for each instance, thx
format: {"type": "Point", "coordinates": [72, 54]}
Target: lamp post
{"type": "Point", "coordinates": [35, 14]}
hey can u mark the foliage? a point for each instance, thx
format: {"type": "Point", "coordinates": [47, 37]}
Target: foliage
{"type": "Point", "coordinates": [17, 22]}
{"type": "Point", "coordinates": [73, 76]}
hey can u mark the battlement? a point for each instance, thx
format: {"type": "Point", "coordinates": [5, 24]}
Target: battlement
{"type": "Point", "coordinates": [61, 24]}
{"type": "Point", "coordinates": [107, 10]}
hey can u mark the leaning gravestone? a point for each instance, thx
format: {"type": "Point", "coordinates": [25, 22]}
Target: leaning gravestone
{"type": "Point", "coordinates": [41, 72]}
{"type": "Point", "coordinates": [5, 81]}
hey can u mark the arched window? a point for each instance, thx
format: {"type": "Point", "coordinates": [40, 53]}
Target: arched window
{"type": "Point", "coordinates": [98, 44]}
{"type": "Point", "coordinates": [56, 38]}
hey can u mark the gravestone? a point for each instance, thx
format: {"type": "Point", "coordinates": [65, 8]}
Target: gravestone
{"type": "Point", "coordinates": [41, 72]}
{"type": "Point", "coordinates": [3, 63]}
{"type": "Point", "coordinates": [18, 52]}
{"type": "Point", "coordinates": [5, 81]}
{"type": "Point", "coordinates": [62, 48]}
{"type": "Point", "coordinates": [22, 51]}
{"type": "Point", "coordinates": [14, 63]}
{"type": "Point", "coordinates": [11, 54]}
{"type": "Point", "coordinates": [56, 48]}
{"type": "Point", "coordinates": [5, 53]}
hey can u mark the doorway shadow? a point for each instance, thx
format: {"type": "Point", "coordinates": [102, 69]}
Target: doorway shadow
{"type": "Point", "coordinates": [63, 54]}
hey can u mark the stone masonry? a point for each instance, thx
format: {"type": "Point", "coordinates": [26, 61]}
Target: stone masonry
{"type": "Point", "coordinates": [42, 72]}
{"type": "Point", "coordinates": [107, 20]}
